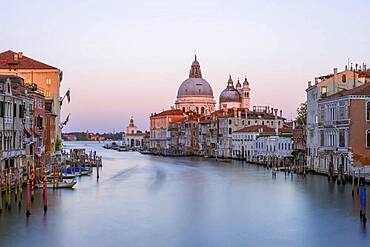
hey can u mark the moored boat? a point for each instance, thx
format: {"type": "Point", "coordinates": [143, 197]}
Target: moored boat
{"type": "Point", "coordinates": [65, 183]}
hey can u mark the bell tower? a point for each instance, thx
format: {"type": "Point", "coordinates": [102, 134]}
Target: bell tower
{"type": "Point", "coordinates": [246, 94]}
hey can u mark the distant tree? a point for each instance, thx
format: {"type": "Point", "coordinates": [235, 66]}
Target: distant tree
{"type": "Point", "coordinates": [302, 113]}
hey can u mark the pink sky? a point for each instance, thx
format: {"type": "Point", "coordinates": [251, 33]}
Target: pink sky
{"type": "Point", "coordinates": [128, 58]}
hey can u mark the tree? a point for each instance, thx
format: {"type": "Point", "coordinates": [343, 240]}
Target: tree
{"type": "Point", "coordinates": [302, 113]}
{"type": "Point", "coordinates": [58, 144]}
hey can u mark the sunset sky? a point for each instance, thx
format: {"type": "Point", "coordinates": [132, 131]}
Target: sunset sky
{"type": "Point", "coordinates": [123, 58]}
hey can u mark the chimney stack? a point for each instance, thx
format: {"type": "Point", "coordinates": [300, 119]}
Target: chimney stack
{"type": "Point", "coordinates": [309, 84]}
{"type": "Point", "coordinates": [20, 55]}
{"type": "Point", "coordinates": [281, 113]}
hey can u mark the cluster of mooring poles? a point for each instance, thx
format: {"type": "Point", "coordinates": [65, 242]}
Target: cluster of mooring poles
{"type": "Point", "coordinates": [40, 175]}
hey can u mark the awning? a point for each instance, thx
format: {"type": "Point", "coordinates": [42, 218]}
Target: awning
{"type": "Point", "coordinates": [27, 132]}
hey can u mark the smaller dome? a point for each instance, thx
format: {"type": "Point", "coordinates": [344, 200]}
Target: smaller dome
{"type": "Point", "coordinates": [230, 94]}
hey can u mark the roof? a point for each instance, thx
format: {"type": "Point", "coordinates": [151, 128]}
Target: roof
{"type": "Point", "coordinates": [257, 128]}
{"type": "Point", "coordinates": [360, 90]}
{"type": "Point", "coordinates": [263, 129]}
{"type": "Point", "coordinates": [12, 60]}
{"type": "Point", "coordinates": [169, 113]}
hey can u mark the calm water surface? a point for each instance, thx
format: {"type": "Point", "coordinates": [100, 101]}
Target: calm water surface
{"type": "Point", "coordinates": [143, 200]}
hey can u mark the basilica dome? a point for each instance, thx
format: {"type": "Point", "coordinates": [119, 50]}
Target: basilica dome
{"type": "Point", "coordinates": [230, 94]}
{"type": "Point", "coordinates": [195, 87]}
{"type": "Point", "coordinates": [195, 93]}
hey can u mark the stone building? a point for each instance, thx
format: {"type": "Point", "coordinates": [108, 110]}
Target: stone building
{"type": "Point", "coordinates": [160, 138]}
{"type": "Point", "coordinates": [244, 141]}
{"type": "Point", "coordinates": [195, 93]}
{"type": "Point", "coordinates": [236, 119]}
{"type": "Point", "coordinates": [45, 76]}
{"type": "Point", "coordinates": [344, 131]}
{"type": "Point", "coordinates": [16, 150]}
{"type": "Point", "coordinates": [325, 86]}
{"type": "Point", "coordinates": [133, 138]}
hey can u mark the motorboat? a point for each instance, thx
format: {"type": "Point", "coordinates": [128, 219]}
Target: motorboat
{"type": "Point", "coordinates": [64, 183]}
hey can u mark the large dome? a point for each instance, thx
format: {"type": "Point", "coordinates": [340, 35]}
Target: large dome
{"type": "Point", "coordinates": [195, 87]}
{"type": "Point", "coordinates": [230, 94]}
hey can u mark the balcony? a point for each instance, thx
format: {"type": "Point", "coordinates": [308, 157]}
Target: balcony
{"type": "Point", "coordinates": [12, 153]}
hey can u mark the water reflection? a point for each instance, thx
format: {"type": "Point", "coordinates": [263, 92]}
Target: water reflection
{"type": "Point", "coordinates": [157, 201]}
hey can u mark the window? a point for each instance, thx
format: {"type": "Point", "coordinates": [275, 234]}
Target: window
{"type": "Point", "coordinates": [229, 121]}
{"type": "Point", "coordinates": [48, 82]}
{"type": "Point", "coordinates": [368, 139]}
{"type": "Point", "coordinates": [2, 109]}
{"type": "Point", "coordinates": [368, 111]}
{"type": "Point", "coordinates": [322, 138]}
{"type": "Point", "coordinates": [342, 141]}
{"type": "Point", "coordinates": [230, 131]}
{"type": "Point", "coordinates": [14, 110]}
{"type": "Point", "coordinates": [324, 91]}
{"type": "Point", "coordinates": [344, 78]}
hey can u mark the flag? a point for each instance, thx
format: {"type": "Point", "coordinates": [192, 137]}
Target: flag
{"type": "Point", "coordinates": [68, 94]}
{"type": "Point", "coordinates": [67, 119]}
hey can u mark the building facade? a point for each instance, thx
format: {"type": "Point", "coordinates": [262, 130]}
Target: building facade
{"type": "Point", "coordinates": [34, 72]}
{"type": "Point", "coordinates": [325, 86]}
{"type": "Point", "coordinates": [344, 131]}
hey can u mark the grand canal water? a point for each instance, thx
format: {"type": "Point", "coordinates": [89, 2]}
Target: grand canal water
{"type": "Point", "coordinates": [143, 200]}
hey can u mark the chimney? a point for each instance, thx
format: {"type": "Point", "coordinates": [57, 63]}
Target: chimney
{"type": "Point", "coordinates": [272, 110]}
{"type": "Point", "coordinates": [309, 84]}
{"type": "Point", "coordinates": [346, 68]}
{"type": "Point", "coordinates": [281, 113]}
{"type": "Point", "coordinates": [20, 55]}
{"type": "Point", "coordinates": [335, 71]}
{"type": "Point", "coordinates": [316, 80]}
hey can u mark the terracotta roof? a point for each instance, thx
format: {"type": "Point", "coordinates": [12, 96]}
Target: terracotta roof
{"type": "Point", "coordinates": [257, 128]}
{"type": "Point", "coordinates": [360, 90]}
{"type": "Point", "coordinates": [169, 113]}
{"type": "Point", "coordinates": [264, 129]}
{"type": "Point", "coordinates": [364, 73]}
{"type": "Point", "coordinates": [8, 61]}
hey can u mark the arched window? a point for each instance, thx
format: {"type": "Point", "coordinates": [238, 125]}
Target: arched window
{"type": "Point", "coordinates": [197, 109]}
{"type": "Point", "coordinates": [368, 111]}
{"type": "Point", "coordinates": [202, 110]}
{"type": "Point", "coordinates": [183, 109]}
{"type": "Point", "coordinates": [368, 139]}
